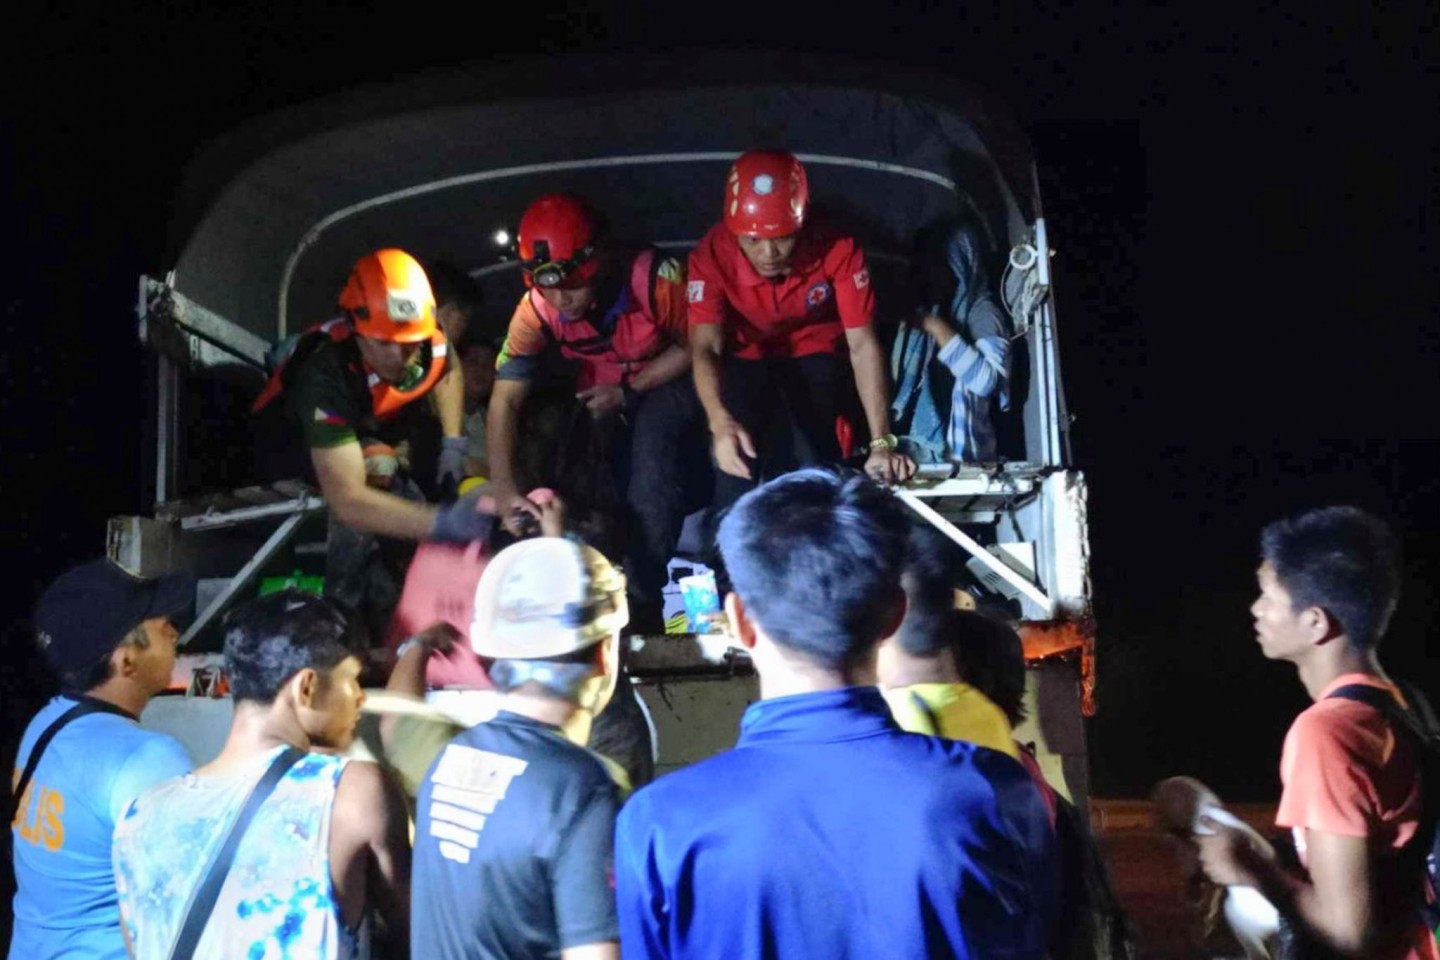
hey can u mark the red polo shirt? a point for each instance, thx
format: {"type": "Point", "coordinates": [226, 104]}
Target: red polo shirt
{"type": "Point", "coordinates": [826, 292]}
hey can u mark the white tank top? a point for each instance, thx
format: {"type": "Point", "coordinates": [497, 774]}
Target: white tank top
{"type": "Point", "coordinates": [278, 899]}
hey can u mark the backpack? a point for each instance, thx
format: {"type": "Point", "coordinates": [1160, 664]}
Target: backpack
{"type": "Point", "coordinates": [1419, 724]}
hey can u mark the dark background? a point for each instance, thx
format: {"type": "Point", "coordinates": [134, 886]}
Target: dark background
{"type": "Point", "coordinates": [1243, 208]}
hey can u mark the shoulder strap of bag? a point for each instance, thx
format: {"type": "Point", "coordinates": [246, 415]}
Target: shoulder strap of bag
{"type": "Point", "coordinates": [203, 903]}
{"type": "Point", "coordinates": [1412, 721]}
{"type": "Point", "coordinates": [86, 706]}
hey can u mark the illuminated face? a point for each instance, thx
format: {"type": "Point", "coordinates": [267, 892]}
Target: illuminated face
{"type": "Point", "coordinates": [155, 662]}
{"type": "Point", "coordinates": [337, 706]}
{"type": "Point", "coordinates": [770, 256]}
{"type": "Point", "coordinates": [389, 360]}
{"type": "Point", "coordinates": [570, 303]}
{"type": "Point", "coordinates": [1283, 633]}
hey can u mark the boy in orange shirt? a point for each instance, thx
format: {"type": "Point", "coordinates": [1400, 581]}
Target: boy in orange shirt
{"type": "Point", "coordinates": [1329, 582]}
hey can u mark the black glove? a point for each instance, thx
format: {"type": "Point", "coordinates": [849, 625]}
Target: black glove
{"type": "Point", "coordinates": [461, 522]}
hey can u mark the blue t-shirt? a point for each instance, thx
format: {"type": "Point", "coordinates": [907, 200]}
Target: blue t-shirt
{"type": "Point", "coordinates": [829, 832]}
{"type": "Point", "coordinates": [65, 903]}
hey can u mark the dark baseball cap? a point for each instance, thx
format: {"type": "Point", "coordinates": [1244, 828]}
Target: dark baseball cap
{"type": "Point", "coordinates": [89, 609]}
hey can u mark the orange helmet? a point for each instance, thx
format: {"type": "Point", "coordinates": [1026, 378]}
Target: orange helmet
{"type": "Point", "coordinates": [766, 194]}
{"type": "Point", "coordinates": [388, 297]}
{"type": "Point", "coordinates": [559, 239]}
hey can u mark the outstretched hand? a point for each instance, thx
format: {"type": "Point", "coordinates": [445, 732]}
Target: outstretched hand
{"type": "Point", "coordinates": [548, 514]}
{"type": "Point", "coordinates": [731, 445]}
{"type": "Point", "coordinates": [1231, 856]}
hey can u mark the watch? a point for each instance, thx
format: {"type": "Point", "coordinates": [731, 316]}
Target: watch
{"type": "Point", "coordinates": [887, 442]}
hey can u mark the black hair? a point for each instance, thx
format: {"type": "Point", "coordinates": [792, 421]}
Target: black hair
{"type": "Point", "coordinates": [929, 591]}
{"type": "Point", "coordinates": [991, 658]}
{"type": "Point", "coordinates": [1341, 559]}
{"type": "Point", "coordinates": [452, 285]}
{"type": "Point", "coordinates": [270, 639]}
{"type": "Point", "coordinates": [816, 556]}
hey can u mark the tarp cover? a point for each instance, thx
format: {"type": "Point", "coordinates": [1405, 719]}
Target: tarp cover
{"type": "Point", "coordinates": [275, 214]}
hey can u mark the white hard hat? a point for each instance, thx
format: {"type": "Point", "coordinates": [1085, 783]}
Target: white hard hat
{"type": "Point", "coordinates": [546, 597]}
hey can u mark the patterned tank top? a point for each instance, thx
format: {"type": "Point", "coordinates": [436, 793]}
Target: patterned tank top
{"type": "Point", "coordinates": [277, 900]}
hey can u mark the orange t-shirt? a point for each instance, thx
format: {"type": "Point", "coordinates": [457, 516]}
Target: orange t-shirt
{"type": "Point", "coordinates": [1345, 772]}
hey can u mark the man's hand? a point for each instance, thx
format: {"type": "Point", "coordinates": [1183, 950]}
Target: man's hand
{"type": "Point", "coordinates": [464, 521]}
{"type": "Point", "coordinates": [731, 444]}
{"type": "Point", "coordinates": [939, 329]}
{"type": "Point", "coordinates": [889, 466]}
{"type": "Point", "coordinates": [436, 638]}
{"type": "Point", "coordinates": [452, 461]}
{"type": "Point", "coordinates": [549, 513]}
{"type": "Point", "coordinates": [1232, 856]}
{"type": "Point", "coordinates": [604, 399]}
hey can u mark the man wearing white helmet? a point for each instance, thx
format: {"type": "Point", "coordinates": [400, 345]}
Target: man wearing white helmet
{"type": "Point", "coordinates": [514, 822]}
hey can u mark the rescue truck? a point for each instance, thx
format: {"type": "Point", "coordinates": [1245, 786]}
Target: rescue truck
{"type": "Point", "coordinates": [272, 216]}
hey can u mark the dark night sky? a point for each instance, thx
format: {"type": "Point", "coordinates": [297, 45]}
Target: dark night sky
{"type": "Point", "coordinates": [1244, 213]}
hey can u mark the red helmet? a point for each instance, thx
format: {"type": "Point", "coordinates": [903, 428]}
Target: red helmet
{"type": "Point", "coordinates": [558, 240]}
{"type": "Point", "coordinates": [388, 297]}
{"type": "Point", "coordinates": [766, 194]}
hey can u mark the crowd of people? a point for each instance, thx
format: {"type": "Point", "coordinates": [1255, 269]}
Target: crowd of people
{"type": "Point", "coordinates": [876, 802]}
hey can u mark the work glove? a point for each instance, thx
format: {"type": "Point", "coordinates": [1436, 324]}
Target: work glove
{"type": "Point", "coordinates": [462, 522]}
{"type": "Point", "coordinates": [452, 462]}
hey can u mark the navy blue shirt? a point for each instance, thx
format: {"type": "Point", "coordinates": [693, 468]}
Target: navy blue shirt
{"type": "Point", "coordinates": [829, 832]}
{"type": "Point", "coordinates": [513, 834]}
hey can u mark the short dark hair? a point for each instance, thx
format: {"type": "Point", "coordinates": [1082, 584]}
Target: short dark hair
{"type": "Point", "coordinates": [991, 658]}
{"type": "Point", "coordinates": [929, 584]}
{"type": "Point", "coordinates": [1341, 559]}
{"type": "Point", "coordinates": [270, 639]}
{"type": "Point", "coordinates": [87, 676]}
{"type": "Point", "coordinates": [452, 285]}
{"type": "Point", "coordinates": [816, 555]}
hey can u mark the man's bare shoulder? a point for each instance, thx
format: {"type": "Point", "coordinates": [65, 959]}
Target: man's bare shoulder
{"type": "Point", "coordinates": [366, 799]}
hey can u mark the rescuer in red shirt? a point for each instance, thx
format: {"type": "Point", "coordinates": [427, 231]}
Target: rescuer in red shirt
{"type": "Point", "coordinates": [774, 300]}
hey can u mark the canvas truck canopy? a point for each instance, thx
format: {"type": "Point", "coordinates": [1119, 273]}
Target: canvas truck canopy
{"type": "Point", "coordinates": [274, 214]}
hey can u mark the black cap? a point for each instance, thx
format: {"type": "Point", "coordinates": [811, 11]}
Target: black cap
{"type": "Point", "coordinates": [89, 609]}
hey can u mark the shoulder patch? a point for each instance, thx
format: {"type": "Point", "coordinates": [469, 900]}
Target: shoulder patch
{"type": "Point", "coordinates": [669, 269]}
{"type": "Point", "coordinates": [862, 279]}
{"type": "Point", "coordinates": [696, 291]}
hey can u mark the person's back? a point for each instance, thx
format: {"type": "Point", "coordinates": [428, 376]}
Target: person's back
{"type": "Point", "coordinates": [829, 832]}
{"type": "Point", "coordinates": [515, 822]}
{"type": "Point", "coordinates": [106, 633]}
{"type": "Point", "coordinates": [277, 898]}
{"type": "Point", "coordinates": [505, 807]}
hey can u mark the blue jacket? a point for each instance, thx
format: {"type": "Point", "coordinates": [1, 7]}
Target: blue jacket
{"type": "Point", "coordinates": [829, 832]}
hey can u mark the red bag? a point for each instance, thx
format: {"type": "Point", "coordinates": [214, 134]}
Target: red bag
{"type": "Point", "coordinates": [440, 586]}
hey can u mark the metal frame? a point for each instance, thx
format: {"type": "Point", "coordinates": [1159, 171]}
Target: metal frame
{"type": "Point", "coordinates": [278, 539]}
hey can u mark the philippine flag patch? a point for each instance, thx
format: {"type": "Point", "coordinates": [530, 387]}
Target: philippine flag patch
{"type": "Point", "coordinates": [328, 418]}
